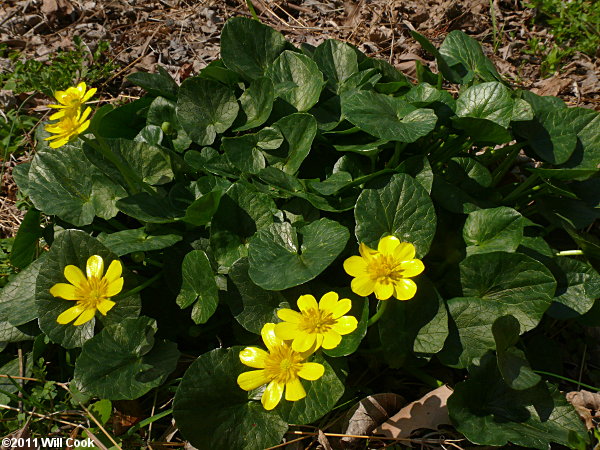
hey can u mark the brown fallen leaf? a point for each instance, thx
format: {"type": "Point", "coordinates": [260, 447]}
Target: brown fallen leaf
{"type": "Point", "coordinates": [587, 405]}
{"type": "Point", "coordinates": [551, 86]}
{"type": "Point", "coordinates": [430, 411]}
{"type": "Point", "coordinates": [368, 414]}
{"type": "Point", "coordinates": [56, 9]}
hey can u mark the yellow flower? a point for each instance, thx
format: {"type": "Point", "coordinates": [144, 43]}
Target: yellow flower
{"type": "Point", "coordinates": [71, 100]}
{"type": "Point", "coordinates": [280, 368]}
{"type": "Point", "coordinates": [316, 325]}
{"type": "Point", "coordinates": [67, 128]}
{"type": "Point", "coordinates": [91, 293]}
{"type": "Point", "coordinates": [385, 271]}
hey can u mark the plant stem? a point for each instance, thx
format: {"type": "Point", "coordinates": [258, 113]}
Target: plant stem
{"type": "Point", "coordinates": [500, 171]}
{"type": "Point", "coordinates": [252, 10]}
{"type": "Point", "coordinates": [560, 377]}
{"type": "Point", "coordinates": [521, 188]}
{"type": "Point", "coordinates": [142, 286]}
{"type": "Point", "coordinates": [569, 253]}
{"type": "Point", "coordinates": [365, 178]}
{"type": "Point", "coordinates": [424, 377]}
{"type": "Point", "coordinates": [381, 307]}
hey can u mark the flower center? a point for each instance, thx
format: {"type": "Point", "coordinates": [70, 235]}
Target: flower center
{"type": "Point", "coordinates": [283, 364]}
{"type": "Point", "coordinates": [316, 321]}
{"type": "Point", "coordinates": [386, 267]}
{"type": "Point", "coordinates": [92, 292]}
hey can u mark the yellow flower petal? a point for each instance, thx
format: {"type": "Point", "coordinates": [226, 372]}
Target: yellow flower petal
{"type": "Point", "coordinates": [311, 371]}
{"type": "Point", "coordinates": [105, 305]}
{"type": "Point", "coordinates": [85, 114]}
{"type": "Point", "coordinates": [114, 287]}
{"type": "Point", "coordinates": [303, 341]}
{"type": "Point", "coordinates": [253, 357]}
{"type": "Point", "coordinates": [342, 307]}
{"type": "Point", "coordinates": [355, 266]}
{"type": "Point", "coordinates": [331, 340]}
{"type": "Point", "coordinates": [89, 95]}
{"type": "Point", "coordinates": [272, 395]}
{"type": "Point", "coordinates": [84, 126]}
{"type": "Point", "coordinates": [405, 251]}
{"type": "Point", "coordinates": [294, 390]}
{"type": "Point", "coordinates": [286, 330]}
{"type": "Point", "coordinates": [64, 290]}
{"type": "Point", "coordinates": [383, 291]}
{"type": "Point", "coordinates": [57, 115]}
{"type": "Point", "coordinates": [366, 251]}
{"type": "Point", "coordinates": [289, 315]}
{"type": "Point", "coordinates": [114, 271]}
{"type": "Point", "coordinates": [388, 244]}
{"type": "Point", "coordinates": [345, 325]}
{"type": "Point", "coordinates": [251, 380]}
{"type": "Point", "coordinates": [412, 268]}
{"type": "Point", "coordinates": [74, 275]}
{"type": "Point", "coordinates": [328, 302]}
{"type": "Point", "coordinates": [85, 316]}
{"type": "Point", "coordinates": [69, 315]}
{"type": "Point", "coordinates": [269, 337]}
{"type": "Point", "coordinates": [306, 302]}
{"type": "Point", "coordinates": [59, 143]}
{"type": "Point", "coordinates": [405, 289]}
{"type": "Point", "coordinates": [94, 266]}
{"type": "Point", "coordinates": [81, 88]}
{"type": "Point", "coordinates": [363, 286]}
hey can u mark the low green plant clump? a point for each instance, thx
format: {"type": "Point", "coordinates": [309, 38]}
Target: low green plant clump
{"type": "Point", "coordinates": [30, 75]}
{"type": "Point", "coordinates": [301, 221]}
{"type": "Point", "coordinates": [575, 26]}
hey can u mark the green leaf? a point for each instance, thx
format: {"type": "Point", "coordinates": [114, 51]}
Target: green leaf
{"type": "Point", "coordinates": [242, 211]}
{"type": "Point", "coordinates": [578, 288]}
{"type": "Point", "coordinates": [205, 108]}
{"type": "Point", "coordinates": [512, 363]}
{"type": "Point", "coordinates": [491, 101]}
{"type": "Point", "coordinates": [488, 412]}
{"type": "Point", "coordinates": [251, 305]}
{"type": "Point", "coordinates": [299, 131]}
{"type": "Point", "coordinates": [494, 229]}
{"type": "Point", "coordinates": [17, 298]}
{"type": "Point", "coordinates": [587, 154]}
{"type": "Point", "coordinates": [515, 283]}
{"type": "Point", "coordinates": [406, 325]}
{"type": "Point", "coordinates": [482, 131]}
{"type": "Point", "coordinates": [202, 209]}
{"type": "Point", "coordinates": [102, 410]}
{"type": "Point", "coordinates": [12, 369]}
{"type": "Point", "coordinates": [123, 362]}
{"type": "Point", "coordinates": [360, 310]}
{"type": "Point", "coordinates": [244, 152]}
{"type": "Point", "coordinates": [278, 261]}
{"type": "Point", "coordinates": [337, 60]}
{"type": "Point", "coordinates": [387, 117]}
{"type": "Point", "coordinates": [470, 330]}
{"type": "Point", "coordinates": [464, 60]}
{"type": "Point", "coordinates": [321, 396]}
{"type": "Point", "coordinates": [149, 163]}
{"type": "Point", "coordinates": [124, 121]}
{"type": "Point", "coordinates": [25, 244]}
{"type": "Point", "coordinates": [163, 114]}
{"type": "Point", "coordinates": [401, 208]}
{"type": "Point", "coordinates": [213, 412]}
{"type": "Point", "coordinates": [75, 247]}
{"type": "Point", "coordinates": [248, 47]}
{"type": "Point", "coordinates": [296, 79]}
{"type": "Point", "coordinates": [198, 286]}
{"type": "Point", "coordinates": [136, 240]}
{"type": "Point", "coordinates": [257, 103]}
{"type": "Point", "coordinates": [156, 84]}
{"type": "Point", "coordinates": [66, 184]}
{"type": "Point", "coordinates": [149, 208]}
